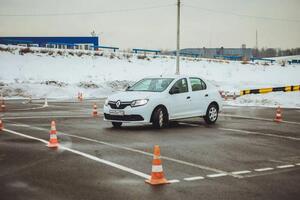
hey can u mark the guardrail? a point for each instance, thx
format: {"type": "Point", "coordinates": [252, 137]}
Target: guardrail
{"type": "Point", "coordinates": [263, 59]}
{"type": "Point", "coordinates": [146, 50]}
{"type": "Point", "coordinates": [274, 89]}
{"type": "Point", "coordinates": [105, 47]}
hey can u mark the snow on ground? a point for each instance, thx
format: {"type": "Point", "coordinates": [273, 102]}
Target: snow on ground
{"type": "Point", "coordinates": [283, 99]}
{"type": "Point", "coordinates": [64, 73]}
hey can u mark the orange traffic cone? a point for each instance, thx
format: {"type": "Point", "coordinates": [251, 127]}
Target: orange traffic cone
{"type": "Point", "coordinates": [278, 116]}
{"type": "Point", "coordinates": [95, 113]}
{"type": "Point", "coordinates": [53, 142]}
{"type": "Point", "coordinates": [2, 105]}
{"type": "Point", "coordinates": [222, 93]}
{"type": "Point", "coordinates": [81, 97]}
{"type": "Point", "coordinates": [1, 125]}
{"type": "Point", "coordinates": [225, 96]}
{"type": "Point", "coordinates": [157, 174]}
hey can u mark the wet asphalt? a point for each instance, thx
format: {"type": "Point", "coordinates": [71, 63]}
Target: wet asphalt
{"type": "Point", "coordinates": [245, 155]}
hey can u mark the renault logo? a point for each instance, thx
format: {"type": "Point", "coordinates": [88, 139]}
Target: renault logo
{"type": "Point", "coordinates": [118, 103]}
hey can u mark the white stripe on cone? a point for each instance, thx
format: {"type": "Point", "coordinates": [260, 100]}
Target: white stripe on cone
{"type": "Point", "coordinates": [157, 168]}
{"type": "Point", "coordinates": [53, 136]}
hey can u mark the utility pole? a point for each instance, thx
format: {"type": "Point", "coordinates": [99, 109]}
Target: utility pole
{"type": "Point", "coordinates": [256, 42]}
{"type": "Point", "coordinates": [178, 37]}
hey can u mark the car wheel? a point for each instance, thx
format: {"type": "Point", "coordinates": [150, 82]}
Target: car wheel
{"type": "Point", "coordinates": [211, 114]}
{"type": "Point", "coordinates": [160, 118]}
{"type": "Point", "coordinates": [117, 124]}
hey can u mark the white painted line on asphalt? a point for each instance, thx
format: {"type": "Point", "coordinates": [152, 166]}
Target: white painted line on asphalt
{"type": "Point", "coordinates": [298, 164]}
{"type": "Point", "coordinates": [260, 133]}
{"type": "Point", "coordinates": [174, 181]}
{"type": "Point", "coordinates": [230, 107]}
{"type": "Point", "coordinates": [48, 117]}
{"type": "Point", "coordinates": [257, 118]}
{"type": "Point", "coordinates": [121, 167]}
{"type": "Point", "coordinates": [91, 157]}
{"type": "Point", "coordinates": [139, 151]}
{"type": "Point", "coordinates": [241, 172]}
{"type": "Point", "coordinates": [194, 178]}
{"type": "Point", "coordinates": [149, 154]}
{"type": "Point", "coordinates": [25, 109]}
{"type": "Point", "coordinates": [285, 166]}
{"type": "Point", "coordinates": [23, 135]}
{"type": "Point", "coordinates": [263, 169]}
{"type": "Point", "coordinates": [216, 175]}
{"type": "Point", "coordinates": [189, 124]}
{"type": "Point", "coordinates": [19, 125]}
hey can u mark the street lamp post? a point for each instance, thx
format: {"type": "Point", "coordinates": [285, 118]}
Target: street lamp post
{"type": "Point", "coordinates": [178, 38]}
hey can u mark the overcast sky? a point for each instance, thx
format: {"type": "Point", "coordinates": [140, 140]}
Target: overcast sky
{"type": "Point", "coordinates": [132, 23]}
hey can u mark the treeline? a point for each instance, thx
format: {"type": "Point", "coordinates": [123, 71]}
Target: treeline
{"type": "Point", "coordinates": [271, 52]}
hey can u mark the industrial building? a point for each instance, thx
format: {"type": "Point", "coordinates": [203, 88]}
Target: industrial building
{"type": "Point", "coordinates": [224, 53]}
{"type": "Point", "coordinates": [90, 42]}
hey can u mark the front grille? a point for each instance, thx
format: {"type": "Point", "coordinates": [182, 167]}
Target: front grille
{"type": "Point", "coordinates": [123, 104]}
{"type": "Point", "coordinates": [124, 117]}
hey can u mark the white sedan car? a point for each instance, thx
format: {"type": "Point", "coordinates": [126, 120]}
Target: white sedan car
{"type": "Point", "coordinates": [158, 100]}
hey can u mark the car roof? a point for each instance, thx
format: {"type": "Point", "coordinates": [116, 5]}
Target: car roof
{"type": "Point", "coordinates": [172, 76]}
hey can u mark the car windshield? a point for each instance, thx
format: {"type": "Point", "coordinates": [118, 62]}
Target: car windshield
{"type": "Point", "coordinates": [151, 85]}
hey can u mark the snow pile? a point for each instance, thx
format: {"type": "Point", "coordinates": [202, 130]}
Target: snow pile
{"type": "Point", "coordinates": [283, 99]}
{"type": "Point", "coordinates": [63, 73]}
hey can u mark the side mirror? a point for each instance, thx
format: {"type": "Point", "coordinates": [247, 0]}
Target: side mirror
{"type": "Point", "coordinates": [174, 90]}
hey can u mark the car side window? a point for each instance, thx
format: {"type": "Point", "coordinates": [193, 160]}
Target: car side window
{"type": "Point", "coordinates": [197, 84]}
{"type": "Point", "coordinates": [182, 86]}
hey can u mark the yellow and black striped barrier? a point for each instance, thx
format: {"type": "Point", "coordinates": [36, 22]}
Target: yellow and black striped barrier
{"type": "Point", "coordinates": [267, 90]}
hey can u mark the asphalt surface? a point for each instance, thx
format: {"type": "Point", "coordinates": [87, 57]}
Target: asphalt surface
{"type": "Point", "coordinates": [245, 155]}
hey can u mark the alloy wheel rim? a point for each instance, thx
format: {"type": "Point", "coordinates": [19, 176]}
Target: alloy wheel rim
{"type": "Point", "coordinates": [161, 118]}
{"type": "Point", "coordinates": [213, 114]}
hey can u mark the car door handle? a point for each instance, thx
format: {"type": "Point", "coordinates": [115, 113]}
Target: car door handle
{"type": "Point", "coordinates": [206, 95]}
{"type": "Point", "coordinates": [188, 97]}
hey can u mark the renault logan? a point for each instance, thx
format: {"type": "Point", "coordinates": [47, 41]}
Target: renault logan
{"type": "Point", "coordinates": [158, 100]}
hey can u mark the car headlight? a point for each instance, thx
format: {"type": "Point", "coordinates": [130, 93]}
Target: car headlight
{"type": "Point", "coordinates": [106, 102]}
{"type": "Point", "coordinates": [140, 102]}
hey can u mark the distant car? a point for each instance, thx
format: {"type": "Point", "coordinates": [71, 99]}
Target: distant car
{"type": "Point", "coordinates": [158, 100]}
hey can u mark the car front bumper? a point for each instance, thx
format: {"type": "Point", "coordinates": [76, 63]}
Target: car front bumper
{"type": "Point", "coordinates": [140, 114]}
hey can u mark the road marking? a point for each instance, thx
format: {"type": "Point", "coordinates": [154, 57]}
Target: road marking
{"type": "Point", "coordinates": [91, 157]}
{"type": "Point", "coordinates": [19, 125]}
{"type": "Point", "coordinates": [276, 161]}
{"type": "Point", "coordinates": [189, 124]}
{"type": "Point", "coordinates": [194, 178]}
{"type": "Point", "coordinates": [139, 151]}
{"type": "Point", "coordinates": [235, 173]}
{"type": "Point", "coordinates": [241, 172]}
{"type": "Point", "coordinates": [257, 118]}
{"type": "Point", "coordinates": [174, 181]}
{"type": "Point", "coordinates": [285, 166]}
{"type": "Point", "coordinates": [263, 169]}
{"type": "Point", "coordinates": [216, 175]}
{"type": "Point", "coordinates": [260, 133]}
{"type": "Point", "coordinates": [149, 154]}
{"type": "Point", "coordinates": [47, 117]}
{"type": "Point", "coordinates": [25, 109]}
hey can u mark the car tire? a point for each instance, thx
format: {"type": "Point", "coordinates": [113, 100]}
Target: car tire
{"type": "Point", "coordinates": [211, 114]}
{"type": "Point", "coordinates": [160, 118]}
{"type": "Point", "coordinates": [117, 124]}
